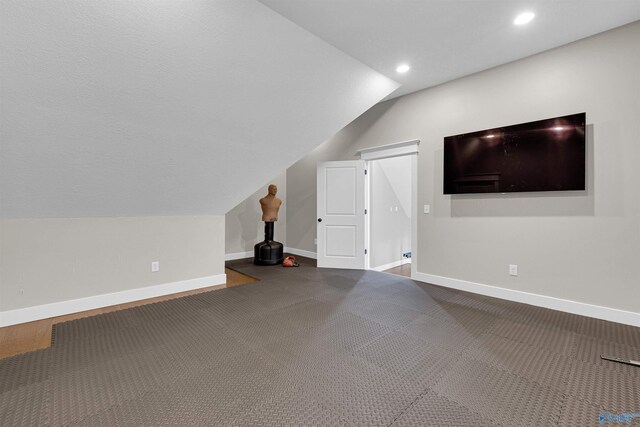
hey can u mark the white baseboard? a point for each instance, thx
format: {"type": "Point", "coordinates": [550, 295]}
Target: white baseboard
{"type": "Point", "coordinates": [29, 314]}
{"type": "Point", "coordinates": [583, 309]}
{"type": "Point", "coordinates": [238, 255]}
{"type": "Point", "coordinates": [301, 252]}
{"type": "Point", "coordinates": [393, 264]}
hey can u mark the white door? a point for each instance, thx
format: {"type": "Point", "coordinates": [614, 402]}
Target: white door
{"type": "Point", "coordinates": [341, 215]}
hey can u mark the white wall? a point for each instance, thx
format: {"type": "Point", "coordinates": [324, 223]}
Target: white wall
{"type": "Point", "coordinates": [390, 205]}
{"type": "Point", "coordinates": [46, 263]}
{"type": "Point", "coordinates": [581, 246]}
{"type": "Point", "coordinates": [244, 226]}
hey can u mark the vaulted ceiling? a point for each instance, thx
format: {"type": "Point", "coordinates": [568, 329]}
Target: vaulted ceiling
{"type": "Point", "coordinates": [164, 107]}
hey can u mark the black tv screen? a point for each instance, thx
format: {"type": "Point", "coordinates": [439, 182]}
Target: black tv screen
{"type": "Point", "coordinates": [545, 155]}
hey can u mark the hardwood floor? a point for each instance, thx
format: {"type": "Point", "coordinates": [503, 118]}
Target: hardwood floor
{"type": "Point", "coordinates": [402, 270]}
{"type": "Point", "coordinates": [235, 278]}
{"type": "Point", "coordinates": [36, 335]}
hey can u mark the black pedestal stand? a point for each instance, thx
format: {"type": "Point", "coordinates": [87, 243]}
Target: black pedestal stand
{"type": "Point", "coordinates": [268, 252]}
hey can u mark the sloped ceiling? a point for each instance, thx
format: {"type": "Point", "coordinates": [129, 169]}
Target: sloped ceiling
{"type": "Point", "coordinates": [446, 39]}
{"type": "Point", "coordinates": [162, 107]}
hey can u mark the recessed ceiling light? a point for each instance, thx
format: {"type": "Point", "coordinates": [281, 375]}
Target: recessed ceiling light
{"type": "Point", "coordinates": [524, 17]}
{"type": "Point", "coordinates": [403, 68]}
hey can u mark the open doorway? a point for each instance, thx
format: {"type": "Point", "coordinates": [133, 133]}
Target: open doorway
{"type": "Point", "coordinates": [344, 190]}
{"type": "Point", "coordinates": [391, 228]}
{"type": "Point", "coordinates": [390, 204]}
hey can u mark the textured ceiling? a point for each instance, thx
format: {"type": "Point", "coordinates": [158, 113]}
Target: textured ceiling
{"type": "Point", "coordinates": [446, 39]}
{"type": "Point", "coordinates": [162, 107]}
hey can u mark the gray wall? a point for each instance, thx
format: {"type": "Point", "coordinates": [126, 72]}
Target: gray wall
{"type": "Point", "coordinates": [130, 109]}
{"type": "Point", "coordinates": [301, 177]}
{"type": "Point", "coordinates": [390, 204]}
{"type": "Point", "coordinates": [580, 246]}
{"type": "Point", "coordinates": [45, 261]}
{"type": "Point", "coordinates": [243, 224]}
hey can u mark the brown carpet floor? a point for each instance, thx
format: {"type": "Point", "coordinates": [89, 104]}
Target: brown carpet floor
{"type": "Point", "coordinates": [307, 346]}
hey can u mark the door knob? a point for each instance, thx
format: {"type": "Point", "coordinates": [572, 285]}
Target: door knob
{"type": "Point", "coordinates": [319, 219]}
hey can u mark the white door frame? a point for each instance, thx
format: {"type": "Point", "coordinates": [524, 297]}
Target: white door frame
{"type": "Point", "coordinates": [404, 148]}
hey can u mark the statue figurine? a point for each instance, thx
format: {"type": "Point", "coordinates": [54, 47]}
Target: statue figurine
{"type": "Point", "coordinates": [269, 252]}
{"type": "Point", "coordinates": [270, 204]}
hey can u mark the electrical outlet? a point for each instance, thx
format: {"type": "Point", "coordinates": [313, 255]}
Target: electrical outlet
{"type": "Point", "coordinates": [427, 209]}
{"type": "Point", "coordinates": [513, 270]}
{"type": "Point", "coordinates": [155, 266]}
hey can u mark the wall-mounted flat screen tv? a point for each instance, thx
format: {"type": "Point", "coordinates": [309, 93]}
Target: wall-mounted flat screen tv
{"type": "Point", "coordinates": [545, 155]}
